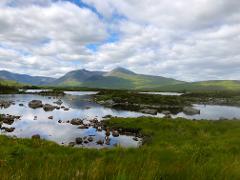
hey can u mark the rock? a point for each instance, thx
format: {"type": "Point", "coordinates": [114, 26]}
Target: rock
{"type": "Point", "coordinates": [21, 105]}
{"type": "Point", "coordinates": [166, 112]}
{"type": "Point", "coordinates": [79, 140]}
{"type": "Point", "coordinates": [50, 117]}
{"type": "Point", "coordinates": [107, 116]}
{"type": "Point", "coordinates": [59, 121]}
{"type": "Point", "coordinates": [11, 129]}
{"type": "Point", "coordinates": [35, 118]}
{"type": "Point", "coordinates": [167, 116]}
{"type": "Point", "coordinates": [135, 139]}
{"type": "Point", "coordinates": [99, 128]}
{"type": "Point", "coordinates": [76, 122]}
{"type": "Point", "coordinates": [190, 110]}
{"type": "Point", "coordinates": [62, 107]}
{"type": "Point", "coordinates": [100, 142]}
{"type": "Point", "coordinates": [48, 107]}
{"type": "Point", "coordinates": [87, 107]}
{"type": "Point", "coordinates": [82, 126]}
{"type": "Point", "coordinates": [66, 109]}
{"type": "Point", "coordinates": [8, 119]}
{"type": "Point", "coordinates": [109, 102]}
{"type": "Point", "coordinates": [36, 136]}
{"type": "Point", "coordinates": [115, 133]}
{"type": "Point", "coordinates": [34, 104]}
{"type": "Point", "coordinates": [58, 102]}
{"type": "Point", "coordinates": [57, 107]}
{"type": "Point", "coordinates": [71, 144]}
{"type": "Point", "coordinates": [149, 111]}
{"type": "Point", "coordinates": [107, 140]}
{"type": "Point", "coordinates": [5, 104]}
{"type": "Point", "coordinates": [90, 139]}
{"type": "Point", "coordinates": [85, 141]}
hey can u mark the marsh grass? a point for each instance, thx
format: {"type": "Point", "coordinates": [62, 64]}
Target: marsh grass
{"type": "Point", "coordinates": [176, 149]}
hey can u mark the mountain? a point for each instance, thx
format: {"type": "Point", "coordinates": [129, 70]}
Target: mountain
{"type": "Point", "coordinates": [213, 85]}
{"type": "Point", "coordinates": [25, 79]}
{"type": "Point", "coordinates": [119, 78]}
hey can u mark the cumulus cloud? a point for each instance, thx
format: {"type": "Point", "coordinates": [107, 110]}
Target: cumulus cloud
{"type": "Point", "coordinates": [53, 33]}
{"type": "Point", "coordinates": [185, 39]}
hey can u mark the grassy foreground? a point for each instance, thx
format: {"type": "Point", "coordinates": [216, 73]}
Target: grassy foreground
{"type": "Point", "coordinates": [175, 149]}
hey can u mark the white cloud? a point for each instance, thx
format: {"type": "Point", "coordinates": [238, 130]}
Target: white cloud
{"type": "Point", "coordinates": [184, 39]}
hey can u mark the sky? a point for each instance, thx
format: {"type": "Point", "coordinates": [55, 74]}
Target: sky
{"type": "Point", "coordinates": [190, 40]}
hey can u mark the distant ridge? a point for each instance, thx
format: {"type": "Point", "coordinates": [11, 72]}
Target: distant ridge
{"type": "Point", "coordinates": [25, 79]}
{"type": "Point", "coordinates": [118, 78]}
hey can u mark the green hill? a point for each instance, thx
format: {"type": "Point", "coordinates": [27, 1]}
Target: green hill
{"type": "Point", "coordinates": [217, 85]}
{"type": "Point", "coordinates": [118, 78]}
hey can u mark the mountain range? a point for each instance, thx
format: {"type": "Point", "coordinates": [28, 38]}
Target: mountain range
{"type": "Point", "coordinates": [118, 78]}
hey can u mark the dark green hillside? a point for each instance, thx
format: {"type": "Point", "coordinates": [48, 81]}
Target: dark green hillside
{"type": "Point", "coordinates": [221, 85]}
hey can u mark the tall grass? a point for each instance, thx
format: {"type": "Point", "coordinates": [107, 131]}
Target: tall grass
{"type": "Point", "coordinates": [176, 149]}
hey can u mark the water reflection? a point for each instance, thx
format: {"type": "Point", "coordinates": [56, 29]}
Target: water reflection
{"type": "Point", "coordinates": [62, 133]}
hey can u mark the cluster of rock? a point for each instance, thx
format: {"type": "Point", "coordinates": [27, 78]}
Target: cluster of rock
{"type": "Point", "coordinates": [100, 126]}
{"type": "Point", "coordinates": [6, 104]}
{"type": "Point", "coordinates": [34, 104]}
{"type": "Point", "coordinates": [9, 120]}
{"type": "Point", "coordinates": [151, 109]}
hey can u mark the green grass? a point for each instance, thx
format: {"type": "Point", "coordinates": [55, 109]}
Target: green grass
{"type": "Point", "coordinates": [133, 97]}
{"type": "Point", "coordinates": [9, 86]}
{"type": "Point", "coordinates": [221, 85]}
{"type": "Point", "coordinates": [175, 149]}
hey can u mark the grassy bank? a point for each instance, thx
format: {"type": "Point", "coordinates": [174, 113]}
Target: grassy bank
{"type": "Point", "coordinates": [133, 97]}
{"type": "Point", "coordinates": [174, 149]}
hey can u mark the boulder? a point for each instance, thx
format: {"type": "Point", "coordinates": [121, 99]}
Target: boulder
{"type": "Point", "coordinates": [5, 104]}
{"type": "Point", "coordinates": [100, 142]}
{"type": "Point", "coordinates": [34, 104]}
{"type": "Point", "coordinates": [115, 133]}
{"type": "Point", "coordinates": [48, 107]}
{"type": "Point", "coordinates": [166, 112]}
{"type": "Point", "coordinates": [71, 144]}
{"type": "Point", "coordinates": [58, 102]}
{"type": "Point", "coordinates": [135, 139]}
{"type": "Point", "coordinates": [11, 129]}
{"type": "Point", "coordinates": [107, 116]}
{"type": "Point", "coordinates": [190, 110]}
{"type": "Point", "coordinates": [99, 128]}
{"type": "Point", "coordinates": [90, 139]}
{"type": "Point", "coordinates": [149, 111]}
{"type": "Point", "coordinates": [79, 140]}
{"type": "Point", "coordinates": [82, 126]}
{"type": "Point", "coordinates": [76, 122]}
{"type": "Point", "coordinates": [167, 116]}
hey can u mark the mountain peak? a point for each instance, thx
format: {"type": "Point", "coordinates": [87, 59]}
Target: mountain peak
{"type": "Point", "coordinates": [122, 70]}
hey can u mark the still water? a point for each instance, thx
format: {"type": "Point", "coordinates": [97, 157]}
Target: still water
{"type": "Point", "coordinates": [80, 106]}
{"type": "Point", "coordinates": [62, 133]}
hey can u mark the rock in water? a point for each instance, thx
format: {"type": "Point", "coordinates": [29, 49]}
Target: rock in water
{"type": "Point", "coordinates": [115, 133]}
{"type": "Point", "coordinates": [48, 107]}
{"type": "Point", "coordinates": [79, 140]}
{"type": "Point", "coordinates": [190, 110]}
{"type": "Point", "coordinates": [76, 122]}
{"type": "Point", "coordinates": [149, 111]}
{"type": "Point", "coordinates": [34, 104]}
